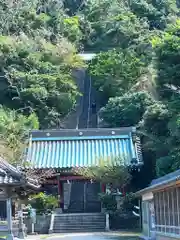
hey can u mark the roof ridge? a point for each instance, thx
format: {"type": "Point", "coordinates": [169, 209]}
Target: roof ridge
{"type": "Point", "coordinates": [83, 132]}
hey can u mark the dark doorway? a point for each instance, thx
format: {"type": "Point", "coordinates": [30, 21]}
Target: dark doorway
{"type": "Point", "coordinates": [83, 197]}
{"type": "Point", "coordinates": [3, 214]}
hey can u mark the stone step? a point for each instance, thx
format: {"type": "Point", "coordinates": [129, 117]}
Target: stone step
{"type": "Point", "coordinates": [79, 219]}
{"type": "Point", "coordinates": [73, 230]}
{"type": "Point", "coordinates": [79, 223]}
{"type": "Point", "coordinates": [79, 229]}
{"type": "Point", "coordinates": [79, 226]}
{"type": "Point", "coordinates": [80, 215]}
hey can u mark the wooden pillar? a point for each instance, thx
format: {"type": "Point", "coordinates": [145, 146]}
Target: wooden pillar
{"type": "Point", "coordinates": [59, 190]}
{"type": "Point", "coordinates": [103, 188]}
{"type": "Point", "coordinates": [9, 218]}
{"type": "Point", "coordinates": [123, 190]}
{"type": "Point", "coordinates": [85, 200]}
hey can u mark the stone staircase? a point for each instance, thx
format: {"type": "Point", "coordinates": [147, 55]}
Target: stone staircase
{"type": "Point", "coordinates": [79, 222]}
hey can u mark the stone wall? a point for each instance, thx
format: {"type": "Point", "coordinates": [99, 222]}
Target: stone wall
{"type": "Point", "coordinates": [124, 222]}
{"type": "Point", "coordinates": [41, 226]}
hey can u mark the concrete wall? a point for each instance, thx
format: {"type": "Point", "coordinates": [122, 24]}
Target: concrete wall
{"type": "Point", "coordinates": [41, 226]}
{"type": "Point", "coordinates": [164, 237]}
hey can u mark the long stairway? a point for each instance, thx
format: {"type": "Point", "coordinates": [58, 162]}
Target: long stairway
{"type": "Point", "coordinates": [74, 220]}
{"type": "Point", "coordinates": [82, 222]}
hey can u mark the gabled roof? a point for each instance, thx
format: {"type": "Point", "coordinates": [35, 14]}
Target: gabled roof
{"type": "Point", "coordinates": [161, 182]}
{"type": "Point", "coordinates": [69, 148]}
{"type": "Point", "coordinates": [11, 176]}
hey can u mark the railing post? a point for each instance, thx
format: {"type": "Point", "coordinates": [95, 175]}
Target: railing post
{"type": "Point", "coordinates": [21, 230]}
{"type": "Point", "coordinates": [51, 223]}
{"type": "Point", "coordinates": [107, 222]}
{"type": "Point", "coordinates": [9, 219]}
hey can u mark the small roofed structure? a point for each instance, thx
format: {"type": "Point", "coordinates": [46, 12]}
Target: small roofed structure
{"type": "Point", "coordinates": [13, 183]}
{"type": "Point", "coordinates": [161, 208]}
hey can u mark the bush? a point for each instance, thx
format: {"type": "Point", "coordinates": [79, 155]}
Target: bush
{"type": "Point", "coordinates": [108, 201]}
{"type": "Point", "coordinates": [43, 203]}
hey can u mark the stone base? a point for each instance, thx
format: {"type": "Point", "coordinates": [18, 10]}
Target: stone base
{"type": "Point", "coordinates": [10, 237]}
{"type": "Point", "coordinates": [35, 233]}
{"type": "Point", "coordinates": [50, 231]}
{"type": "Point", "coordinates": [58, 210]}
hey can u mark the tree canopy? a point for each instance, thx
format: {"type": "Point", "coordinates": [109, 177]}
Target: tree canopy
{"type": "Point", "coordinates": [136, 70]}
{"type": "Point", "coordinates": [140, 84]}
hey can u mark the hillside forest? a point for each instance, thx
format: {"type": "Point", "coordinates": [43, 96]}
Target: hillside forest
{"type": "Point", "coordinates": [136, 70]}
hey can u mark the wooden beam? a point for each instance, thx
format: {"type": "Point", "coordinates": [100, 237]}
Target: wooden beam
{"type": "Point", "coordinates": [65, 178]}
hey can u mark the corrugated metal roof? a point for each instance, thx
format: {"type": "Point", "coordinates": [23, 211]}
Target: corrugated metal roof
{"type": "Point", "coordinates": [168, 177]}
{"type": "Point", "coordinates": [161, 182]}
{"type": "Point", "coordinates": [80, 151]}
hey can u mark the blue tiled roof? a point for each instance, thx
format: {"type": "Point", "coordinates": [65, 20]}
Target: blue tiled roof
{"type": "Point", "coordinates": [53, 150]}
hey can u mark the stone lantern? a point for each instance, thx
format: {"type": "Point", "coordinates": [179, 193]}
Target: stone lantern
{"type": "Point", "coordinates": [118, 196]}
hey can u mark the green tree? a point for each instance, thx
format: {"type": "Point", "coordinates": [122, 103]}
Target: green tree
{"type": "Point", "coordinates": [43, 203]}
{"type": "Point", "coordinates": [115, 72]}
{"type": "Point", "coordinates": [39, 18]}
{"type": "Point", "coordinates": [157, 13]}
{"type": "Point", "coordinates": [166, 127]}
{"type": "Point", "coordinates": [14, 130]}
{"type": "Point", "coordinates": [126, 110]}
{"type": "Point", "coordinates": [109, 171]}
{"type": "Point", "coordinates": [36, 77]}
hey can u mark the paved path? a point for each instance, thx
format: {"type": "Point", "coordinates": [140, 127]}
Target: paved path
{"type": "Point", "coordinates": [89, 236]}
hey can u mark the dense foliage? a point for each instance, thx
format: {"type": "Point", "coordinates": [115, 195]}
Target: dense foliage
{"type": "Point", "coordinates": [110, 171]}
{"type": "Point", "coordinates": [37, 78]}
{"type": "Point", "coordinates": [14, 129]}
{"type": "Point", "coordinates": [37, 89]}
{"type": "Point", "coordinates": [43, 203]}
{"type": "Point", "coordinates": [139, 82]}
{"type": "Point", "coordinates": [136, 71]}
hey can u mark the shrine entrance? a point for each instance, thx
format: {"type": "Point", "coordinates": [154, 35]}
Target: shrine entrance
{"type": "Point", "coordinates": [81, 197]}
